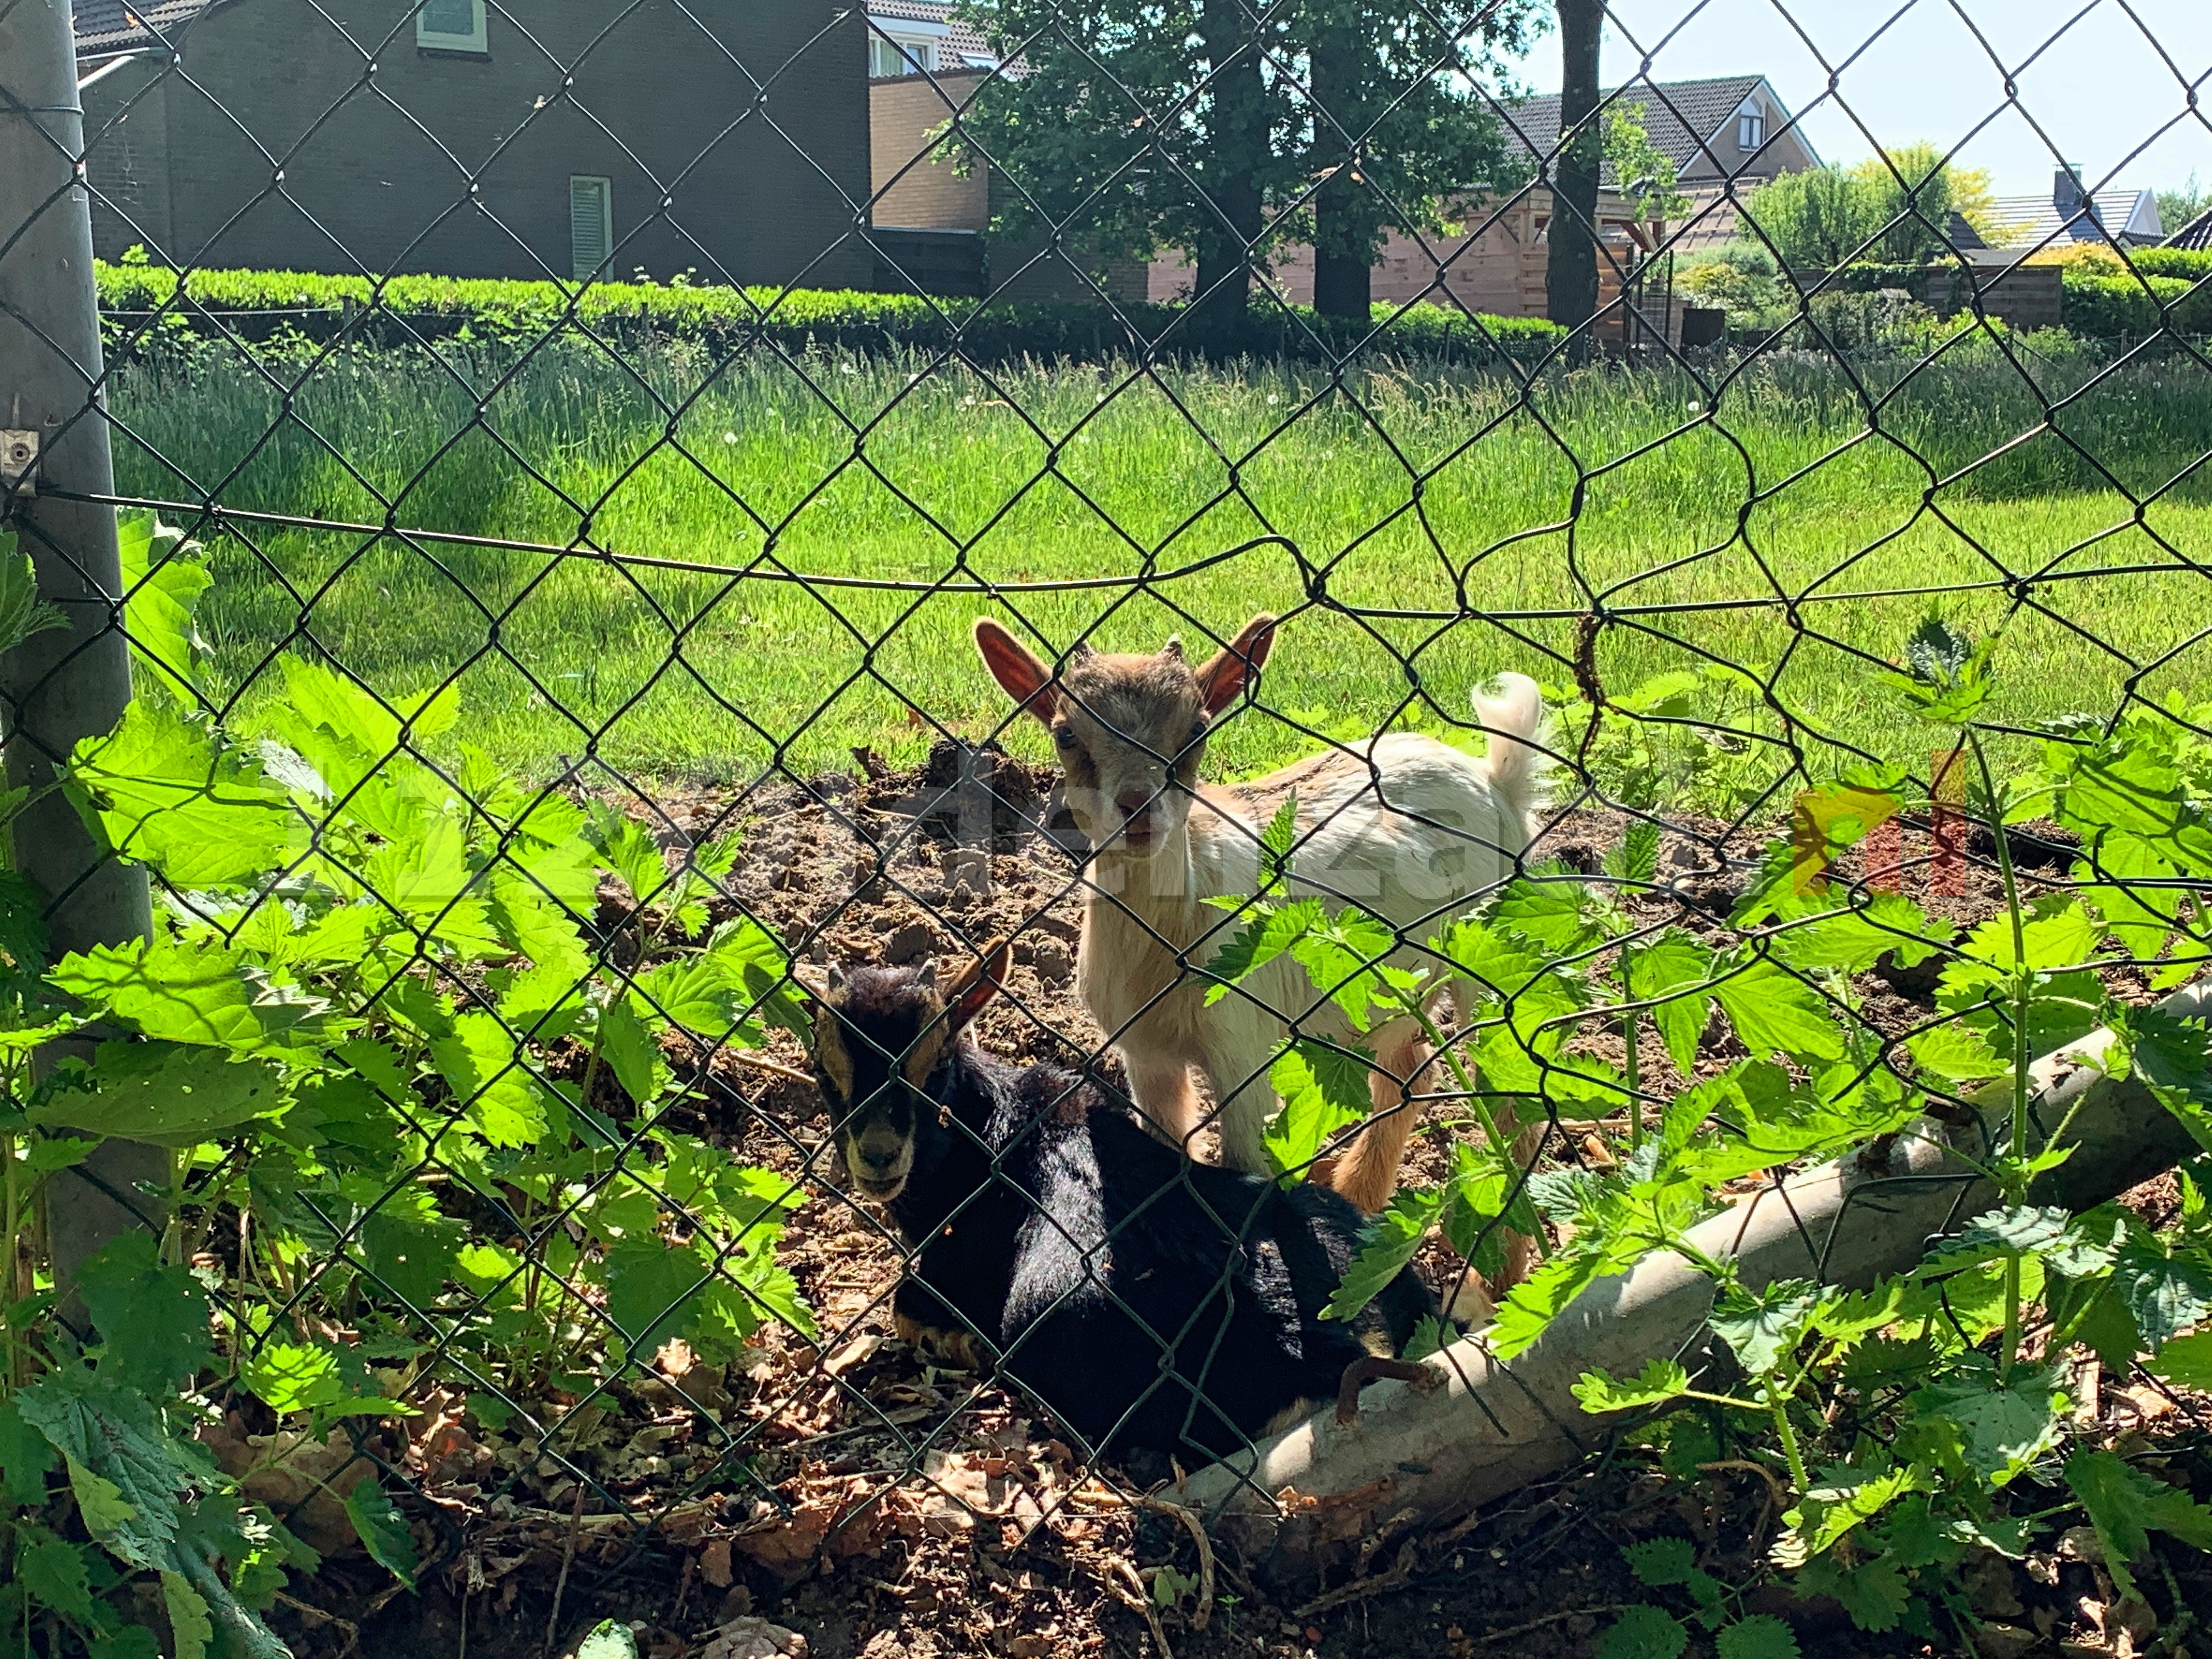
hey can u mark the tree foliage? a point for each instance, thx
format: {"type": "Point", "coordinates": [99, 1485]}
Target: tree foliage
{"type": "Point", "coordinates": [1233, 131]}
{"type": "Point", "coordinates": [1894, 208]}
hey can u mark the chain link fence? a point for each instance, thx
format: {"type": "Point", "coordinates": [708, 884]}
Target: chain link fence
{"type": "Point", "coordinates": [560, 456]}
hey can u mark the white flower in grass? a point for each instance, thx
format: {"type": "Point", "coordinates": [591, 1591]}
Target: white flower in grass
{"type": "Point", "coordinates": [729, 437]}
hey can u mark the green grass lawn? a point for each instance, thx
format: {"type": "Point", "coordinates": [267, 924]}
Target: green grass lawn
{"type": "Point", "coordinates": [1373, 512]}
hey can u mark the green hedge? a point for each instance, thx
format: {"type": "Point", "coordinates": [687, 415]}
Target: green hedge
{"type": "Point", "coordinates": [2107, 307]}
{"type": "Point", "coordinates": [2186, 262]}
{"type": "Point", "coordinates": [260, 302]}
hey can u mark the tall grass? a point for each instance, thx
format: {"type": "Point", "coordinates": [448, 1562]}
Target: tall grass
{"type": "Point", "coordinates": [1762, 527]}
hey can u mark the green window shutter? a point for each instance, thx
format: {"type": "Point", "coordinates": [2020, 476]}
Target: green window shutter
{"type": "Point", "coordinates": [591, 225]}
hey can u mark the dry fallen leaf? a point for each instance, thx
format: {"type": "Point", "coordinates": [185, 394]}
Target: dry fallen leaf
{"type": "Point", "coordinates": [752, 1636]}
{"type": "Point", "coordinates": [714, 1563]}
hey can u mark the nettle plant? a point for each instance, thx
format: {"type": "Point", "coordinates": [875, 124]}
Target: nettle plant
{"type": "Point", "coordinates": [411, 1089]}
{"type": "Point", "coordinates": [1909, 1426]}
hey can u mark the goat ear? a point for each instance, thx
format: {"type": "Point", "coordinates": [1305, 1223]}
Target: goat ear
{"type": "Point", "coordinates": [978, 982]}
{"type": "Point", "coordinates": [1016, 667]}
{"type": "Point", "coordinates": [1224, 677]}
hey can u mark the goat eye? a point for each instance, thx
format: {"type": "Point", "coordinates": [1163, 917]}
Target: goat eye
{"type": "Point", "coordinates": [1064, 736]}
{"type": "Point", "coordinates": [1197, 730]}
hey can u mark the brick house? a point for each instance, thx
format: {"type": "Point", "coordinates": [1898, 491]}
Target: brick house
{"type": "Point", "coordinates": [447, 136]}
{"type": "Point", "coordinates": [934, 220]}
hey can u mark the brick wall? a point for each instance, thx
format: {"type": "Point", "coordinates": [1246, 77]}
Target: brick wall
{"type": "Point", "coordinates": [376, 167]}
{"type": "Point", "coordinates": [2026, 296]}
{"type": "Point", "coordinates": [902, 114]}
{"type": "Point", "coordinates": [1495, 267]}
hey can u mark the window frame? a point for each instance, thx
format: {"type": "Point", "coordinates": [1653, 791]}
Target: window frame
{"type": "Point", "coordinates": [598, 272]}
{"type": "Point", "coordinates": [1750, 130]}
{"type": "Point", "coordinates": [475, 42]}
{"type": "Point", "coordinates": [921, 45]}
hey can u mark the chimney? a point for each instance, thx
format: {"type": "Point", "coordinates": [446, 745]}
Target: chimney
{"type": "Point", "coordinates": [2066, 192]}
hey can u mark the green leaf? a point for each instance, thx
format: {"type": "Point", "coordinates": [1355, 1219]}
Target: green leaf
{"type": "Point", "coordinates": [627, 848]}
{"type": "Point", "coordinates": [168, 791]}
{"type": "Point", "coordinates": [1645, 1632]}
{"type": "Point", "coordinates": [107, 1515]}
{"type": "Point", "coordinates": [164, 1094]}
{"type": "Point", "coordinates": [1844, 1496]}
{"type": "Point", "coordinates": [693, 994]}
{"type": "Point", "coordinates": [1636, 858]}
{"type": "Point", "coordinates": [129, 1642]}
{"type": "Point", "coordinates": [492, 1081]}
{"type": "Point", "coordinates": [189, 1623]}
{"type": "Point", "coordinates": [2004, 1426]}
{"type": "Point", "coordinates": [1537, 1300]}
{"type": "Point", "coordinates": [382, 1531]}
{"type": "Point", "coordinates": [163, 577]}
{"type": "Point", "coordinates": [409, 1247]}
{"type": "Point", "coordinates": [650, 1287]}
{"type": "Point", "coordinates": [1757, 1636]}
{"type": "Point", "coordinates": [1396, 1234]}
{"type": "Point", "coordinates": [293, 1377]}
{"type": "Point", "coordinates": [26, 1455]}
{"type": "Point", "coordinates": [1874, 1593]}
{"type": "Point", "coordinates": [22, 612]}
{"type": "Point", "coordinates": [1661, 1562]}
{"type": "Point", "coordinates": [1491, 961]}
{"type": "Point", "coordinates": [1548, 912]}
{"type": "Point", "coordinates": [1276, 841]}
{"type": "Point", "coordinates": [1762, 1327]}
{"type": "Point", "coordinates": [2173, 1059]}
{"type": "Point", "coordinates": [1957, 1054]}
{"type": "Point", "coordinates": [1775, 1011]}
{"type": "Point", "coordinates": [153, 1320]}
{"type": "Point", "coordinates": [187, 993]}
{"type": "Point", "coordinates": [1660, 1380]}
{"type": "Point", "coordinates": [1323, 1090]}
{"type": "Point", "coordinates": [54, 1571]}
{"type": "Point", "coordinates": [2185, 1362]}
{"type": "Point", "coordinates": [1674, 966]}
{"type": "Point", "coordinates": [629, 1050]}
{"type": "Point", "coordinates": [1344, 955]}
{"type": "Point", "coordinates": [2124, 1503]}
{"type": "Point", "coordinates": [43, 1157]}
{"type": "Point", "coordinates": [2166, 1293]}
{"type": "Point", "coordinates": [611, 1638]}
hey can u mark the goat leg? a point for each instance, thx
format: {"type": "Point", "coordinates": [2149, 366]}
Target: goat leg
{"type": "Point", "coordinates": [1422, 1379]}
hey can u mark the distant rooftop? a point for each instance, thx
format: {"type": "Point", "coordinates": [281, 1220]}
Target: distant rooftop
{"type": "Point", "coordinates": [2127, 216]}
{"type": "Point", "coordinates": [962, 48]}
{"type": "Point", "coordinates": [1679, 116]}
{"type": "Point", "coordinates": [111, 26]}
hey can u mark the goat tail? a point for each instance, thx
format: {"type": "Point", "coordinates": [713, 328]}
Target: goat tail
{"type": "Point", "coordinates": [1513, 715]}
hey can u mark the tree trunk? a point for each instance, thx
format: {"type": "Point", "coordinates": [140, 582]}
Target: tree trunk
{"type": "Point", "coordinates": [1345, 210]}
{"type": "Point", "coordinates": [1230, 218]}
{"type": "Point", "coordinates": [1570, 269]}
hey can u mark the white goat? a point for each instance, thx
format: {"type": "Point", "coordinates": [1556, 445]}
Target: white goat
{"type": "Point", "coordinates": [1405, 826]}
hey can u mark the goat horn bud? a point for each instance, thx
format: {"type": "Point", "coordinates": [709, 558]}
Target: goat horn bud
{"type": "Point", "coordinates": [1173, 647]}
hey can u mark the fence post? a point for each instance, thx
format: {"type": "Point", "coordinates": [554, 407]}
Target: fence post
{"type": "Point", "coordinates": [66, 684]}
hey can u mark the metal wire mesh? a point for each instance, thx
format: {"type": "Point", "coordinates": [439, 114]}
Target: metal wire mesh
{"type": "Point", "coordinates": [683, 570]}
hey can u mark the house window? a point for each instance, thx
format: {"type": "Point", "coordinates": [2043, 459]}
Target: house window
{"type": "Point", "coordinates": [1750, 130]}
{"type": "Point", "coordinates": [591, 226]}
{"type": "Point", "coordinates": [895, 56]}
{"type": "Point", "coordinates": [451, 25]}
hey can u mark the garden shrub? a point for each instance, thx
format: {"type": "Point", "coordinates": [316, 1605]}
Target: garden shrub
{"type": "Point", "coordinates": [143, 298]}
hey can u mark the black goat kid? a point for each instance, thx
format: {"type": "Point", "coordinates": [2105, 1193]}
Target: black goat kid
{"type": "Point", "coordinates": [1147, 1300]}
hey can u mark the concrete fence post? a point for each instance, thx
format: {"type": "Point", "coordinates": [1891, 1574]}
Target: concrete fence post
{"type": "Point", "coordinates": [66, 684]}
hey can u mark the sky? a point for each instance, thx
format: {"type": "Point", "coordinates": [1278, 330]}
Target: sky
{"type": "Point", "coordinates": [2089, 74]}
